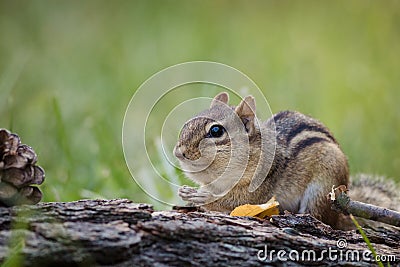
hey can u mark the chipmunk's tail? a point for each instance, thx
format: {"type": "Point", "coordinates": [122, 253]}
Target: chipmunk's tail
{"type": "Point", "coordinates": [371, 189]}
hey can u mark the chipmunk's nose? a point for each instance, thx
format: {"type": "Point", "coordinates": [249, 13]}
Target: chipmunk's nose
{"type": "Point", "coordinates": [179, 152]}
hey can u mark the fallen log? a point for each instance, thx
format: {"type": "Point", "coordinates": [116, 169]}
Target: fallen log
{"type": "Point", "coordinates": [121, 233]}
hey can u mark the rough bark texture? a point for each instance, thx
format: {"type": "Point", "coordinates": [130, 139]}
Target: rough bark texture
{"type": "Point", "coordinates": [122, 233]}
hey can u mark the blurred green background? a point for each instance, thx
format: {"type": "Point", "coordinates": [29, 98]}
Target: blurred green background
{"type": "Point", "coordinates": [69, 68]}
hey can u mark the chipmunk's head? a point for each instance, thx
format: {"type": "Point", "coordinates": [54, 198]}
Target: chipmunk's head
{"type": "Point", "coordinates": [216, 141]}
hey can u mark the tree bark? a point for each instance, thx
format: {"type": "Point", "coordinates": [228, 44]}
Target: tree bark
{"type": "Point", "coordinates": [122, 233]}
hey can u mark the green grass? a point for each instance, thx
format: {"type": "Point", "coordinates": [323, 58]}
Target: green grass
{"type": "Point", "coordinates": [69, 68]}
{"type": "Point", "coordinates": [366, 239]}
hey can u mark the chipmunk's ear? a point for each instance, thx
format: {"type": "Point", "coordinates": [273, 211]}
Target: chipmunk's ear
{"type": "Point", "coordinates": [220, 98]}
{"type": "Point", "coordinates": [246, 111]}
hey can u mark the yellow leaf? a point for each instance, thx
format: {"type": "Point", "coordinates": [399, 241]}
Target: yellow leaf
{"type": "Point", "coordinates": [260, 211]}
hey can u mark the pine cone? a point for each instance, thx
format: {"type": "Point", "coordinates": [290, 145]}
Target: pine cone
{"type": "Point", "coordinates": [18, 172]}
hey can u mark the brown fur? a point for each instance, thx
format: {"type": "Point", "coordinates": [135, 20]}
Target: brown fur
{"type": "Point", "coordinates": [306, 164]}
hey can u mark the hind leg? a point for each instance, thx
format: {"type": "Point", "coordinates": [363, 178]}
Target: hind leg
{"type": "Point", "coordinates": [316, 203]}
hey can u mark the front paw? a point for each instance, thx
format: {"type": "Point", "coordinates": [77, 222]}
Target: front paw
{"type": "Point", "coordinates": [194, 195]}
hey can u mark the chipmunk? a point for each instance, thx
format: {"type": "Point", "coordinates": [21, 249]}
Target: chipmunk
{"type": "Point", "coordinates": [237, 159]}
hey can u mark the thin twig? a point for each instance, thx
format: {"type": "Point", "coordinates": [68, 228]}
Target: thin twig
{"type": "Point", "coordinates": [341, 202]}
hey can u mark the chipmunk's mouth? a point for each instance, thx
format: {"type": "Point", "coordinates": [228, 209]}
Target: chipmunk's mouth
{"type": "Point", "coordinates": [194, 165]}
{"type": "Point", "coordinates": [193, 162]}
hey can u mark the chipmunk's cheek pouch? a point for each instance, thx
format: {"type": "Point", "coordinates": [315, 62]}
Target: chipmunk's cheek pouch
{"type": "Point", "coordinates": [208, 150]}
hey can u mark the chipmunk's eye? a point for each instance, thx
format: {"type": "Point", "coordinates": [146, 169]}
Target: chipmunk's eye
{"type": "Point", "coordinates": [216, 131]}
